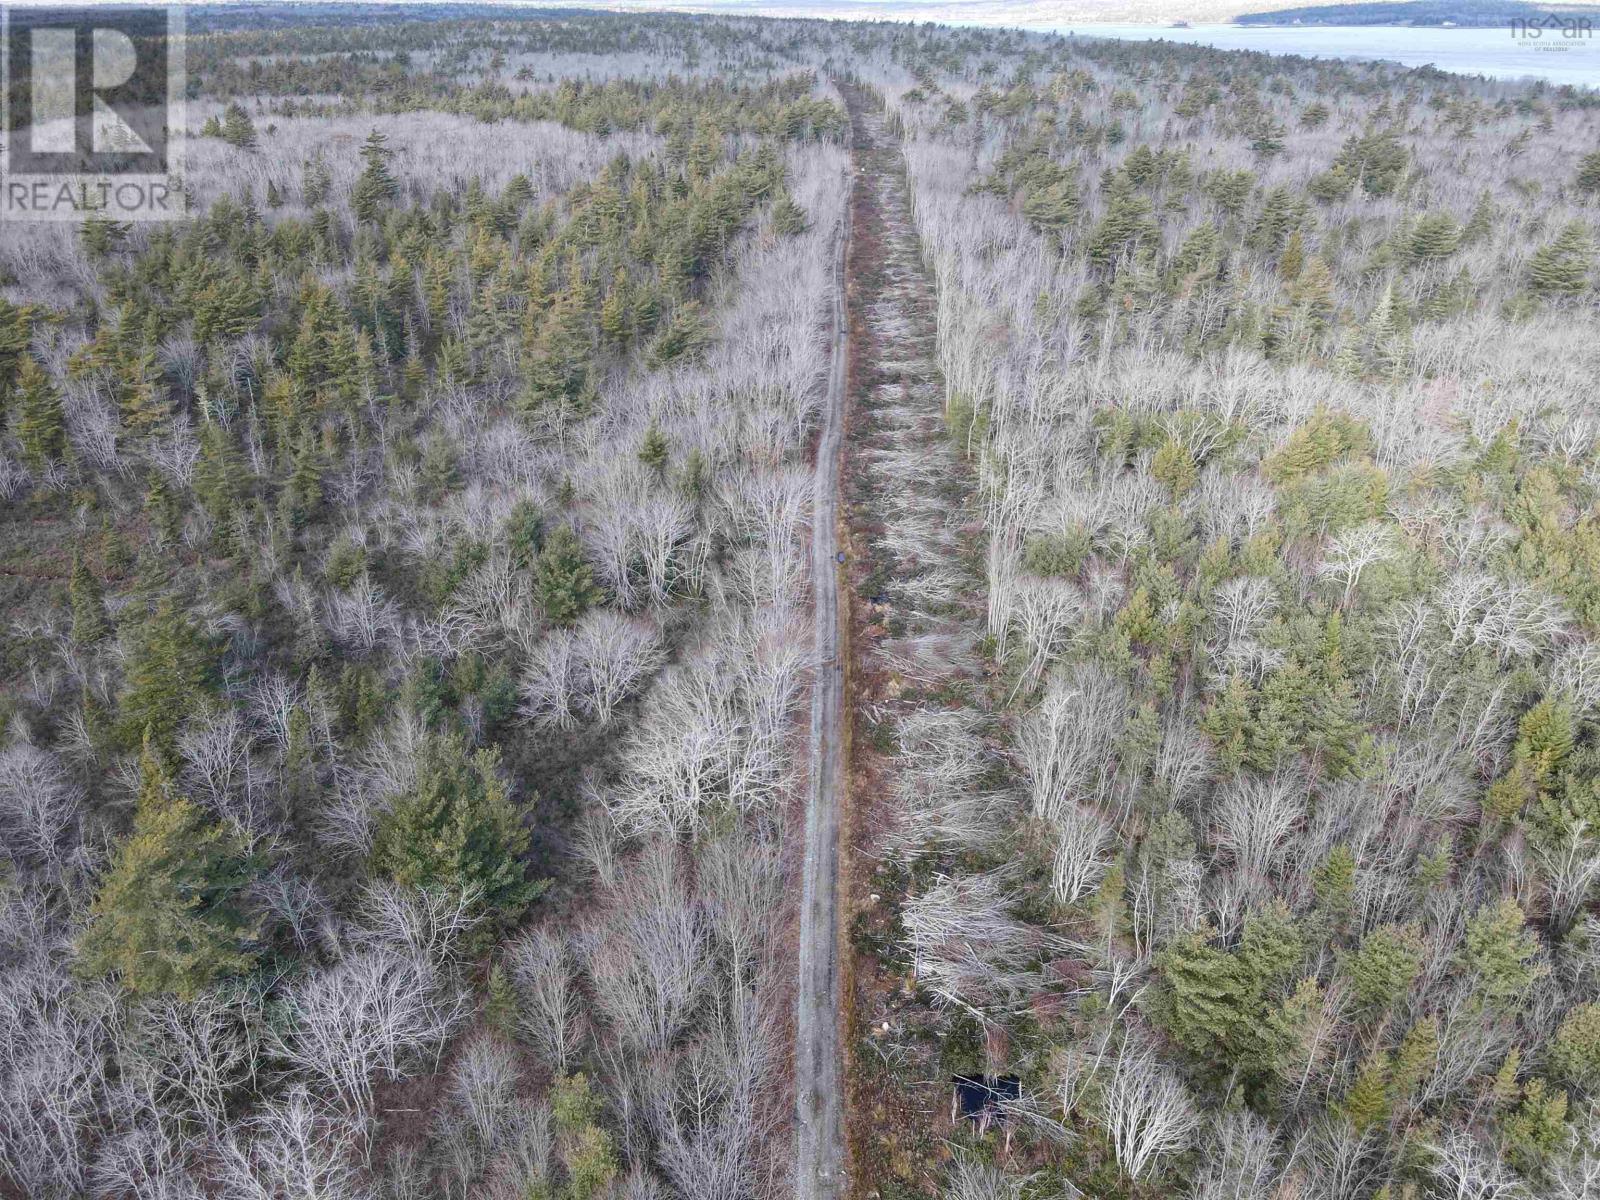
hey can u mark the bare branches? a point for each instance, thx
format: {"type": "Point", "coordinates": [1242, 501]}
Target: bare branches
{"type": "Point", "coordinates": [1464, 1170]}
{"type": "Point", "coordinates": [1148, 1112]}
{"type": "Point", "coordinates": [648, 956]}
{"type": "Point", "coordinates": [296, 1148]}
{"type": "Point", "coordinates": [552, 1013]}
{"type": "Point", "coordinates": [1066, 743]}
{"type": "Point", "coordinates": [40, 806]}
{"type": "Point", "coordinates": [1082, 854]}
{"type": "Point", "coordinates": [588, 671]}
{"type": "Point", "coordinates": [49, 1094]}
{"type": "Point", "coordinates": [375, 1015]}
{"type": "Point", "coordinates": [941, 792]}
{"type": "Point", "coordinates": [967, 948]}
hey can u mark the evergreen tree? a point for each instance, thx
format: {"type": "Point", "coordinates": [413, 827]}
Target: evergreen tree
{"type": "Point", "coordinates": [1383, 970]}
{"type": "Point", "coordinates": [1126, 226]}
{"type": "Point", "coordinates": [1322, 440]}
{"type": "Point", "coordinates": [145, 403]}
{"type": "Point", "coordinates": [1575, 1049]}
{"type": "Point", "coordinates": [169, 675]}
{"type": "Point", "coordinates": [1334, 884]}
{"type": "Point", "coordinates": [517, 196]}
{"type": "Point", "coordinates": [1346, 363]}
{"type": "Point", "coordinates": [1367, 1102]}
{"type": "Point", "coordinates": [456, 829]}
{"type": "Point", "coordinates": [1293, 258]}
{"type": "Point", "coordinates": [1383, 335]}
{"type": "Point", "coordinates": [41, 422]}
{"type": "Point", "coordinates": [375, 189]}
{"type": "Point", "coordinates": [524, 534]}
{"type": "Point", "coordinates": [1376, 159]}
{"type": "Point", "coordinates": [500, 1006]}
{"type": "Point", "coordinates": [315, 180]}
{"type": "Point", "coordinates": [788, 218]}
{"type": "Point", "coordinates": [1225, 1007]}
{"type": "Point", "coordinates": [168, 916]}
{"type": "Point", "coordinates": [302, 491]}
{"type": "Point", "coordinates": [164, 509]}
{"type": "Point", "coordinates": [1505, 1088]}
{"type": "Point", "coordinates": [237, 127]}
{"type": "Point", "coordinates": [696, 475]}
{"type": "Point", "coordinates": [1588, 179]}
{"type": "Point", "coordinates": [558, 370]}
{"type": "Point", "coordinates": [440, 475]}
{"type": "Point", "coordinates": [1281, 213]}
{"type": "Point", "coordinates": [220, 477]}
{"type": "Point", "coordinates": [89, 622]}
{"type": "Point", "coordinates": [1199, 258]}
{"type": "Point", "coordinates": [686, 337]}
{"type": "Point", "coordinates": [562, 580]}
{"type": "Point", "coordinates": [102, 236]}
{"type": "Point", "coordinates": [1052, 208]}
{"type": "Point", "coordinates": [1537, 1130]}
{"type": "Point", "coordinates": [586, 1150]}
{"type": "Point", "coordinates": [1502, 952]}
{"type": "Point", "coordinates": [1560, 270]}
{"type": "Point", "coordinates": [15, 332]}
{"type": "Point", "coordinates": [322, 360]}
{"type": "Point", "coordinates": [1174, 466]}
{"type": "Point", "coordinates": [1311, 295]}
{"type": "Point", "coordinates": [224, 304]}
{"type": "Point", "coordinates": [654, 450]}
{"type": "Point", "coordinates": [1481, 223]}
{"type": "Point", "coordinates": [1435, 236]}
{"type": "Point", "coordinates": [616, 311]}
{"type": "Point", "coordinates": [1266, 137]}
{"type": "Point", "coordinates": [1414, 1060]}
{"type": "Point", "coordinates": [1545, 737]}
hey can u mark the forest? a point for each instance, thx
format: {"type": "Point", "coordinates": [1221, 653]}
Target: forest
{"type": "Point", "coordinates": [407, 651]}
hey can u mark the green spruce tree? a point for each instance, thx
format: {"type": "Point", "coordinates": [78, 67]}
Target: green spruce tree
{"type": "Point", "coordinates": [237, 127]}
{"type": "Point", "coordinates": [1560, 270]}
{"type": "Point", "coordinates": [169, 676]}
{"type": "Point", "coordinates": [168, 916]}
{"type": "Point", "coordinates": [375, 189]}
{"type": "Point", "coordinates": [40, 423]}
{"type": "Point", "coordinates": [562, 579]}
{"type": "Point", "coordinates": [1588, 178]}
{"type": "Point", "coordinates": [455, 829]}
{"type": "Point", "coordinates": [89, 622]}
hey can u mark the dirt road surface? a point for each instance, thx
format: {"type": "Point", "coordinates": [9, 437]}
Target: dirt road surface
{"type": "Point", "coordinates": [819, 1154]}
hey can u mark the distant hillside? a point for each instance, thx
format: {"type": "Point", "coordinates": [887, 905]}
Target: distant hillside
{"type": "Point", "coordinates": [1056, 14]}
{"type": "Point", "coordinates": [1034, 14]}
{"type": "Point", "coordinates": [1416, 12]}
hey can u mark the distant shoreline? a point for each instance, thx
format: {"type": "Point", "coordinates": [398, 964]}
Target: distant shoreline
{"type": "Point", "coordinates": [1431, 14]}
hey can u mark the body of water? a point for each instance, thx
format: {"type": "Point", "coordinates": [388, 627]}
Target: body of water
{"type": "Point", "coordinates": [1494, 52]}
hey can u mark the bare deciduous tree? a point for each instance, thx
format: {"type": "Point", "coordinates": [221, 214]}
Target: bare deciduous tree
{"type": "Point", "coordinates": [1148, 1112]}
{"type": "Point", "coordinates": [375, 1014]}
{"type": "Point", "coordinates": [1464, 1170]}
{"type": "Point", "coordinates": [296, 1148]}
{"type": "Point", "coordinates": [1083, 841]}
{"type": "Point", "coordinates": [40, 806]}
{"type": "Point", "coordinates": [552, 1008]}
{"type": "Point", "coordinates": [648, 953]}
